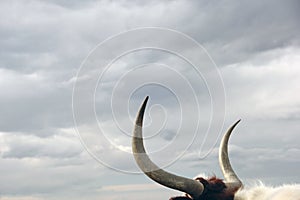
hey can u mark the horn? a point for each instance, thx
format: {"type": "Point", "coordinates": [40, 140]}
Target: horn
{"type": "Point", "coordinates": [189, 186]}
{"type": "Point", "coordinates": [232, 181]}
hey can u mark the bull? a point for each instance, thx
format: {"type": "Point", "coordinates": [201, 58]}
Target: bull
{"type": "Point", "coordinates": [229, 188]}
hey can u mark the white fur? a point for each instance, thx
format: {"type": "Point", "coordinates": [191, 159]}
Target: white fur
{"type": "Point", "coordinates": [261, 192]}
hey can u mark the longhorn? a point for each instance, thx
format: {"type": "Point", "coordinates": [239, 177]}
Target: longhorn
{"type": "Point", "coordinates": [231, 188]}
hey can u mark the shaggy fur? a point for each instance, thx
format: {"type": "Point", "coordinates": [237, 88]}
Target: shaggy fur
{"type": "Point", "coordinates": [214, 189]}
{"type": "Point", "coordinates": [262, 192]}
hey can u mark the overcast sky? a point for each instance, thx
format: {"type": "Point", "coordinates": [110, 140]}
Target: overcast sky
{"type": "Point", "coordinates": [74, 73]}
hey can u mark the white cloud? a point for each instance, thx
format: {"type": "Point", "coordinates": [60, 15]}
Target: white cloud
{"type": "Point", "coordinates": [267, 89]}
{"type": "Point", "coordinates": [43, 43]}
{"type": "Point", "coordinates": [20, 198]}
{"type": "Point", "coordinates": [27, 146]}
{"type": "Point", "coordinates": [130, 187]}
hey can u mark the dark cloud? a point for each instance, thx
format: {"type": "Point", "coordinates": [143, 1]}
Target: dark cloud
{"type": "Point", "coordinates": [234, 31]}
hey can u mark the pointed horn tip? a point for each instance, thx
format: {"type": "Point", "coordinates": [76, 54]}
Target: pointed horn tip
{"type": "Point", "coordinates": [146, 98]}
{"type": "Point", "coordinates": [139, 119]}
{"type": "Point", "coordinates": [144, 104]}
{"type": "Point", "coordinates": [233, 126]}
{"type": "Point", "coordinates": [236, 123]}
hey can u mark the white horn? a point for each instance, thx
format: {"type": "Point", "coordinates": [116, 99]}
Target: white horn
{"type": "Point", "coordinates": [231, 179]}
{"type": "Point", "coordinates": [189, 186]}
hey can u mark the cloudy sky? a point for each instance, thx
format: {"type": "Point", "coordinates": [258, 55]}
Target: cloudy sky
{"type": "Point", "coordinates": [74, 73]}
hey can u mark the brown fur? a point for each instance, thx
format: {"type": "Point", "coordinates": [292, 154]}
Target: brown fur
{"type": "Point", "coordinates": [214, 189]}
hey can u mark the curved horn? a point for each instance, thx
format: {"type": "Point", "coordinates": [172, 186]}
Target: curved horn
{"type": "Point", "coordinates": [189, 186]}
{"type": "Point", "coordinates": [231, 179]}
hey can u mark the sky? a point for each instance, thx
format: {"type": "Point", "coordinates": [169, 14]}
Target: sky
{"type": "Point", "coordinates": [74, 73]}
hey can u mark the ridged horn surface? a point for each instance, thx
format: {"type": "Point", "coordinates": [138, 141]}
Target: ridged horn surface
{"type": "Point", "coordinates": [231, 179]}
{"type": "Point", "coordinates": [189, 186]}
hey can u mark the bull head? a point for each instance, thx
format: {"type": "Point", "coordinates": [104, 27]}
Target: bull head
{"type": "Point", "coordinates": [197, 189]}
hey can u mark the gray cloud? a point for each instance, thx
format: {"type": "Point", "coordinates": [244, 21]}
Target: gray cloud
{"type": "Point", "coordinates": [32, 102]}
{"type": "Point", "coordinates": [43, 43]}
{"type": "Point", "coordinates": [23, 146]}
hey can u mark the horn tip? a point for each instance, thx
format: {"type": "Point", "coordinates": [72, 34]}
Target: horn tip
{"type": "Point", "coordinates": [145, 102]}
{"type": "Point", "coordinates": [236, 123]}
{"type": "Point", "coordinates": [139, 119]}
{"type": "Point", "coordinates": [147, 97]}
